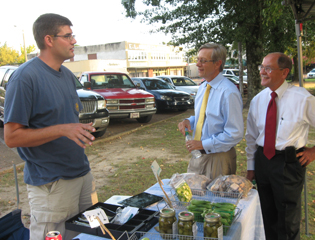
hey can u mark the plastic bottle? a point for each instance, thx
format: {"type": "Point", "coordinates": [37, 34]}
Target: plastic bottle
{"type": "Point", "coordinates": [194, 153]}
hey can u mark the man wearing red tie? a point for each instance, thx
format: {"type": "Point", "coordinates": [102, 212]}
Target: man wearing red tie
{"type": "Point", "coordinates": [277, 129]}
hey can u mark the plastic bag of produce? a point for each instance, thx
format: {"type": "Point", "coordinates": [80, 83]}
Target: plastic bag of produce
{"type": "Point", "coordinates": [231, 184]}
{"type": "Point", "coordinates": [183, 191]}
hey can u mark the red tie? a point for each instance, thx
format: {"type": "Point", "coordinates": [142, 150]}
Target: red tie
{"type": "Point", "coordinates": [270, 128]}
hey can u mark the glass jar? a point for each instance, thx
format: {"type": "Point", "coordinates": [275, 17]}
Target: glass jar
{"type": "Point", "coordinates": [185, 225]}
{"type": "Point", "coordinates": [166, 220]}
{"type": "Point", "coordinates": [211, 225]}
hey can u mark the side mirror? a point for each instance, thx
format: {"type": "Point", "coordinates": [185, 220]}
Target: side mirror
{"type": "Point", "coordinates": [87, 85]}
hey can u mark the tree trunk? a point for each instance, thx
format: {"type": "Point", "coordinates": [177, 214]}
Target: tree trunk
{"type": "Point", "coordinates": [295, 77]}
{"type": "Point", "coordinates": [254, 59]}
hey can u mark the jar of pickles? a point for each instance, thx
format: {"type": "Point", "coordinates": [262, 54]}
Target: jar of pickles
{"type": "Point", "coordinates": [212, 226]}
{"type": "Point", "coordinates": [185, 225]}
{"type": "Point", "coordinates": [166, 220]}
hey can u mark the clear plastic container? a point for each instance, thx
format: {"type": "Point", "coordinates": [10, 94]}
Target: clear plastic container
{"type": "Point", "coordinates": [194, 153]}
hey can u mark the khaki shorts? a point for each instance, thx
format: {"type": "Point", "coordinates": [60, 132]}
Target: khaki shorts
{"type": "Point", "coordinates": [213, 164]}
{"type": "Point", "coordinates": [53, 203]}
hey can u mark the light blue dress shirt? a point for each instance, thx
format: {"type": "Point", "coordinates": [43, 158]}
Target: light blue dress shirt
{"type": "Point", "coordinates": [223, 127]}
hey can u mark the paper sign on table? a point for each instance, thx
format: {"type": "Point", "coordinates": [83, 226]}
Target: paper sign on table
{"type": "Point", "coordinates": [91, 217]}
{"type": "Point", "coordinates": [156, 169]}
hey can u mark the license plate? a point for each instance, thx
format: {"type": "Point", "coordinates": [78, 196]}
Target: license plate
{"type": "Point", "coordinates": [134, 115]}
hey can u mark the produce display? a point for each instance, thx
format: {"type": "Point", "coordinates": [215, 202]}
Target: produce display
{"type": "Point", "coordinates": [201, 207]}
{"type": "Point", "coordinates": [231, 184]}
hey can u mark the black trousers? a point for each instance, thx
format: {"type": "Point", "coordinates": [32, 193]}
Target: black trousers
{"type": "Point", "coordinates": [280, 183]}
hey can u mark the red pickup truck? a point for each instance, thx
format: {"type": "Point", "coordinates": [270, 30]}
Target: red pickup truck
{"type": "Point", "coordinates": [124, 99]}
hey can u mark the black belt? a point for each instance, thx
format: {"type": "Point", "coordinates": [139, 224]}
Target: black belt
{"type": "Point", "coordinates": [278, 152]}
{"type": "Point", "coordinates": [203, 151]}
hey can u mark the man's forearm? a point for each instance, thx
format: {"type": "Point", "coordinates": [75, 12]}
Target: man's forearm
{"type": "Point", "coordinates": [27, 137]}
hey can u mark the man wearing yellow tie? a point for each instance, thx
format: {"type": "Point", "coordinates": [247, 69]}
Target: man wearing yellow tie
{"type": "Point", "coordinates": [218, 122]}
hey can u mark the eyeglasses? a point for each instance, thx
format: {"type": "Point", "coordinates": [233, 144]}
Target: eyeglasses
{"type": "Point", "coordinates": [202, 61]}
{"type": "Point", "coordinates": [70, 37]}
{"type": "Point", "coordinates": [268, 69]}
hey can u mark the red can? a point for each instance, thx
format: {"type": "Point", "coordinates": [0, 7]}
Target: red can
{"type": "Point", "coordinates": [53, 235]}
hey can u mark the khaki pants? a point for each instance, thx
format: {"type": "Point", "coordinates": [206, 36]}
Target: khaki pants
{"type": "Point", "coordinates": [213, 164]}
{"type": "Point", "coordinates": [53, 203]}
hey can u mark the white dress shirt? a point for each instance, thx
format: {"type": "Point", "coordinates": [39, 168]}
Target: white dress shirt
{"type": "Point", "coordinates": [295, 112]}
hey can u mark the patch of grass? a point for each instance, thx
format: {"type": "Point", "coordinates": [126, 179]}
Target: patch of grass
{"type": "Point", "coordinates": [7, 177]}
{"type": "Point", "coordinates": [134, 178]}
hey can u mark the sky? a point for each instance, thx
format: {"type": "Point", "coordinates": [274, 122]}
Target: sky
{"type": "Point", "coordinates": [94, 22]}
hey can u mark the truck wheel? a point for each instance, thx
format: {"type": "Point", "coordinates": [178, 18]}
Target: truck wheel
{"type": "Point", "coordinates": [145, 119]}
{"type": "Point", "coordinates": [99, 134]}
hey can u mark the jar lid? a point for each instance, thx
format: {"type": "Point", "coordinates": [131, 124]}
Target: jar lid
{"type": "Point", "coordinates": [186, 216]}
{"type": "Point", "coordinates": [167, 212]}
{"type": "Point", "coordinates": [212, 217]}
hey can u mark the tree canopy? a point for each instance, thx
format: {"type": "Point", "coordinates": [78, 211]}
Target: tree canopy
{"type": "Point", "coordinates": [9, 56]}
{"type": "Point", "coordinates": [262, 26]}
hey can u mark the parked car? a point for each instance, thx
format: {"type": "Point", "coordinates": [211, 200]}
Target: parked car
{"type": "Point", "coordinates": [235, 72]}
{"type": "Point", "coordinates": [233, 79]}
{"type": "Point", "coordinates": [166, 96]}
{"type": "Point", "coordinates": [311, 74]}
{"type": "Point", "coordinates": [124, 99]}
{"type": "Point", "coordinates": [236, 78]}
{"type": "Point", "coordinates": [182, 83]}
{"type": "Point", "coordinates": [94, 105]}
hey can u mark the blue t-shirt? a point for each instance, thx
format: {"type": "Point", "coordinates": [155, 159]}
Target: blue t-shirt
{"type": "Point", "coordinates": [37, 96]}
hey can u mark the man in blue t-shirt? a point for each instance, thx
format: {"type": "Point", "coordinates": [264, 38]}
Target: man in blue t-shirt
{"type": "Point", "coordinates": [42, 121]}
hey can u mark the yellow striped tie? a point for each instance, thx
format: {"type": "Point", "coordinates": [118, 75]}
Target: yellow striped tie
{"type": "Point", "coordinates": [202, 113]}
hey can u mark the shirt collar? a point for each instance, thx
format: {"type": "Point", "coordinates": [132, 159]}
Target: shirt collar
{"type": "Point", "coordinates": [214, 83]}
{"type": "Point", "coordinates": [280, 90]}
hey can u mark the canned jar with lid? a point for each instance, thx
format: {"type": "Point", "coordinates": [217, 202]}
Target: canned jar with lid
{"type": "Point", "coordinates": [166, 220]}
{"type": "Point", "coordinates": [185, 224]}
{"type": "Point", "coordinates": [212, 225]}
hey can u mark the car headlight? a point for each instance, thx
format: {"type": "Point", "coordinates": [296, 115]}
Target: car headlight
{"type": "Point", "coordinates": [149, 100]}
{"type": "Point", "coordinates": [112, 101]}
{"type": "Point", "coordinates": [166, 98]}
{"type": "Point", "coordinates": [101, 104]}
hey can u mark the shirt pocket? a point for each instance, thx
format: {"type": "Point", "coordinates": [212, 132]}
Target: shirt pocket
{"type": "Point", "coordinates": [287, 129]}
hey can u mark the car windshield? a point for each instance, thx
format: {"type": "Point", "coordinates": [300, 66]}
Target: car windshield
{"type": "Point", "coordinates": [156, 84]}
{"type": "Point", "coordinates": [101, 81]}
{"type": "Point", "coordinates": [183, 82]}
{"type": "Point", "coordinates": [313, 70]}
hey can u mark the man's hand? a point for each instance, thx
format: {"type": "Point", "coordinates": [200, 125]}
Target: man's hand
{"type": "Point", "coordinates": [194, 145]}
{"type": "Point", "coordinates": [183, 125]}
{"type": "Point", "coordinates": [250, 175]}
{"type": "Point", "coordinates": [79, 133]}
{"type": "Point", "coordinates": [307, 156]}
